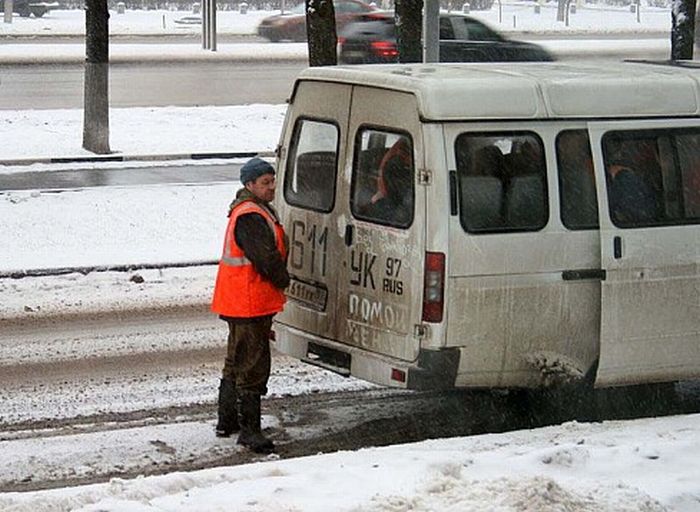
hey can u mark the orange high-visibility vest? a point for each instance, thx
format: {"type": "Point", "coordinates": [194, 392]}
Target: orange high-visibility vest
{"type": "Point", "coordinates": [241, 292]}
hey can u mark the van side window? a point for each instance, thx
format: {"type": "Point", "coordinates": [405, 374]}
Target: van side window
{"type": "Point", "coordinates": [577, 193]}
{"type": "Point", "coordinates": [502, 182]}
{"type": "Point", "coordinates": [383, 178]}
{"type": "Point", "coordinates": [653, 177]}
{"type": "Point", "coordinates": [311, 165]}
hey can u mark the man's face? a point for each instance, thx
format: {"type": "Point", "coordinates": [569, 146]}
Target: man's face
{"type": "Point", "coordinates": [263, 188]}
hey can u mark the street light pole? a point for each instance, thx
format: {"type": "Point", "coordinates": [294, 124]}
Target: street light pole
{"type": "Point", "coordinates": [431, 31]}
{"type": "Point", "coordinates": [209, 25]}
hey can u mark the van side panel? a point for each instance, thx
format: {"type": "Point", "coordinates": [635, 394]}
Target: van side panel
{"type": "Point", "coordinates": [516, 316]}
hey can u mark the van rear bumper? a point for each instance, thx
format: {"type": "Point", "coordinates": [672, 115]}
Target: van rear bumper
{"type": "Point", "coordinates": [432, 369]}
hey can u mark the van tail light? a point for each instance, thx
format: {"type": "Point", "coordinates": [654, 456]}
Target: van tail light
{"type": "Point", "coordinates": [384, 49]}
{"type": "Point", "coordinates": [433, 287]}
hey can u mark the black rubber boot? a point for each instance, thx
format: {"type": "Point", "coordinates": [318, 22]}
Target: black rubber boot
{"type": "Point", "coordinates": [228, 409]}
{"type": "Point", "coordinates": [250, 435]}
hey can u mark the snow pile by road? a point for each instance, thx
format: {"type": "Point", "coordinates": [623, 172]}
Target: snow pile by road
{"type": "Point", "coordinates": [646, 465]}
{"type": "Point", "coordinates": [141, 131]}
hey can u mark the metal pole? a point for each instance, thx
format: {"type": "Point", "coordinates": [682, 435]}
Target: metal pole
{"type": "Point", "coordinates": [209, 25]}
{"type": "Point", "coordinates": [212, 14]}
{"type": "Point", "coordinates": [205, 24]}
{"type": "Point", "coordinates": [431, 31]}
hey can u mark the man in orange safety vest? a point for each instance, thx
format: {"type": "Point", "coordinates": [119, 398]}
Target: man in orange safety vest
{"type": "Point", "coordinates": [249, 291]}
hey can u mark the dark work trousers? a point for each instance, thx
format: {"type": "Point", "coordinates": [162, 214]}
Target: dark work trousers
{"type": "Point", "coordinates": [247, 360]}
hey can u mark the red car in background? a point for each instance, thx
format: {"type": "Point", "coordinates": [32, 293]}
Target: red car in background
{"type": "Point", "coordinates": [292, 25]}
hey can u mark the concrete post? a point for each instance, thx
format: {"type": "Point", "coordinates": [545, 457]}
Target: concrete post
{"type": "Point", "coordinates": [8, 11]}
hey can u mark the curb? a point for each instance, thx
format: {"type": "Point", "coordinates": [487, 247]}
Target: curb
{"type": "Point", "coordinates": [135, 158]}
{"type": "Point", "coordinates": [44, 272]}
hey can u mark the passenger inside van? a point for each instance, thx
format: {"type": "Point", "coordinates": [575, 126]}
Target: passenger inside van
{"type": "Point", "coordinates": [396, 206]}
{"type": "Point", "coordinates": [401, 149]}
{"type": "Point", "coordinates": [634, 198]}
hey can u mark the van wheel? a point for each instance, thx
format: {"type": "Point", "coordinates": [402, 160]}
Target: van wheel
{"type": "Point", "coordinates": [558, 403]}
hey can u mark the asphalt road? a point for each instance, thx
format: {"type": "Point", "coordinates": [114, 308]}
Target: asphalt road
{"type": "Point", "coordinates": [250, 38]}
{"type": "Point", "coordinates": [74, 179]}
{"type": "Point", "coordinates": [152, 84]}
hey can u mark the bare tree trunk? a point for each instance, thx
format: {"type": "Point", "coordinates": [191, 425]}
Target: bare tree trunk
{"type": "Point", "coordinates": [682, 29]}
{"type": "Point", "coordinates": [409, 29]}
{"type": "Point", "coordinates": [321, 33]}
{"type": "Point", "coordinates": [96, 100]}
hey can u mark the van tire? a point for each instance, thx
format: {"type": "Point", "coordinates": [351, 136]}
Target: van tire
{"type": "Point", "coordinates": [574, 400]}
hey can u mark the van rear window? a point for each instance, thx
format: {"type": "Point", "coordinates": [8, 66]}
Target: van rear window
{"type": "Point", "coordinates": [502, 182]}
{"type": "Point", "coordinates": [309, 180]}
{"type": "Point", "coordinates": [653, 177]}
{"type": "Point", "coordinates": [383, 178]}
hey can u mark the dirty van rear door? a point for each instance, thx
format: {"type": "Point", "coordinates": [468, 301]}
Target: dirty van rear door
{"type": "Point", "coordinates": [381, 275]}
{"type": "Point", "coordinates": [648, 181]}
{"type": "Point", "coordinates": [311, 203]}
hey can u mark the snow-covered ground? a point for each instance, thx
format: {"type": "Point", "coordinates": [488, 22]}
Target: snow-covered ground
{"type": "Point", "coordinates": [640, 465]}
{"type": "Point", "coordinates": [635, 466]}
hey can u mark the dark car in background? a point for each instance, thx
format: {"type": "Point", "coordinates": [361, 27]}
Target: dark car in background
{"type": "Point", "coordinates": [292, 25]}
{"type": "Point", "coordinates": [372, 40]}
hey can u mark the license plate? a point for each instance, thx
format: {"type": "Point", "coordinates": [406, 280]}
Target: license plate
{"type": "Point", "coordinates": [312, 295]}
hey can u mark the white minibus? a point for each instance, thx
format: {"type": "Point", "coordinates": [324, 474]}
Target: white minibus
{"type": "Point", "coordinates": [496, 225]}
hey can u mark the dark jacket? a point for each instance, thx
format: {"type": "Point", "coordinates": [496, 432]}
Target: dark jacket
{"type": "Point", "coordinates": [256, 239]}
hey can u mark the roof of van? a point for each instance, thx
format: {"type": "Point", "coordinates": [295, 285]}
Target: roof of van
{"type": "Point", "coordinates": [532, 90]}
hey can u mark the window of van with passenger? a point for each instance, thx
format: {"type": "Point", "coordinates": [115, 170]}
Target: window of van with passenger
{"type": "Point", "coordinates": [653, 176]}
{"type": "Point", "coordinates": [577, 193]}
{"type": "Point", "coordinates": [502, 182]}
{"type": "Point", "coordinates": [382, 189]}
{"type": "Point", "coordinates": [311, 166]}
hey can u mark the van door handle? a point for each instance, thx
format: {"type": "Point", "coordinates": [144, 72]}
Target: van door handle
{"type": "Point", "coordinates": [349, 232]}
{"type": "Point", "coordinates": [617, 247]}
{"type": "Point", "coordinates": [585, 273]}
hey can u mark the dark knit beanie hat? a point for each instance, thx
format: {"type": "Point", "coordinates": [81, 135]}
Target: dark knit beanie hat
{"type": "Point", "coordinates": [254, 168]}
